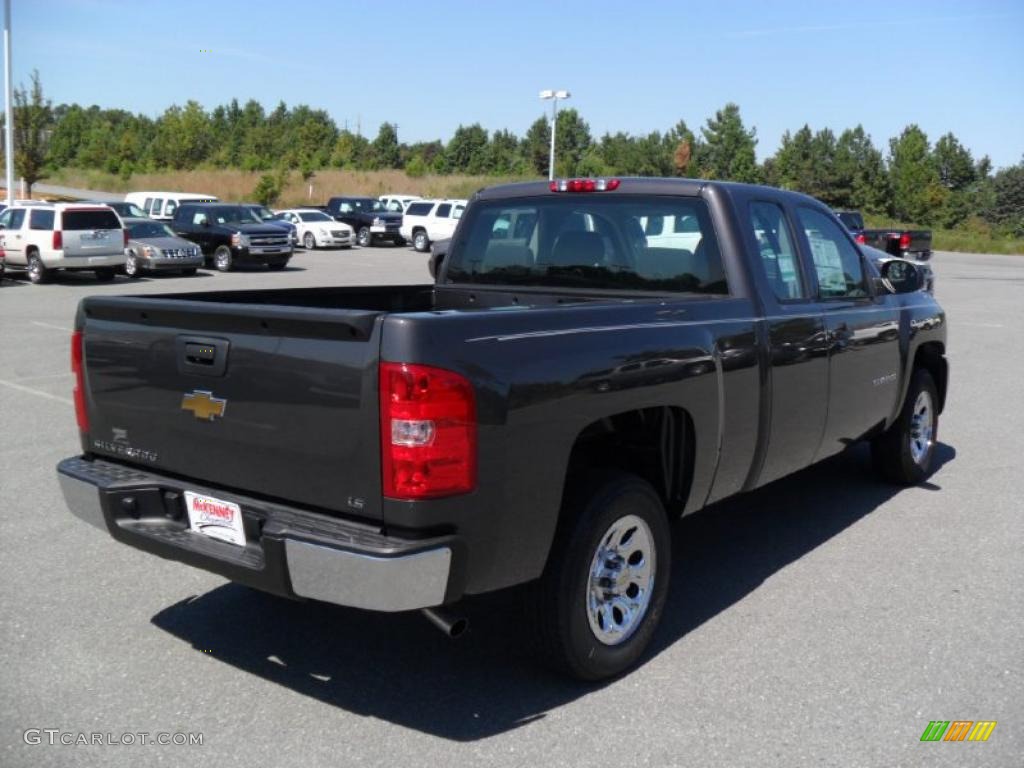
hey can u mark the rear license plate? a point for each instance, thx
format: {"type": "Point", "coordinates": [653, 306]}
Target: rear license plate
{"type": "Point", "coordinates": [215, 518]}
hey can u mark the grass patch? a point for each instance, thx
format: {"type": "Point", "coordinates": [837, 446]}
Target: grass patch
{"type": "Point", "coordinates": [239, 185]}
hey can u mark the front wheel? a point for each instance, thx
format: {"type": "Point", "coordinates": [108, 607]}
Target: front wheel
{"type": "Point", "coordinates": [308, 241]}
{"type": "Point", "coordinates": [420, 241]}
{"type": "Point", "coordinates": [603, 591]}
{"type": "Point", "coordinates": [903, 454]}
{"type": "Point", "coordinates": [222, 259]}
{"type": "Point", "coordinates": [37, 271]}
{"type": "Point", "coordinates": [131, 266]}
{"type": "Point", "coordinates": [364, 237]}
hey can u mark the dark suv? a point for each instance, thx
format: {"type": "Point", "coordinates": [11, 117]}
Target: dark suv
{"type": "Point", "coordinates": [231, 234]}
{"type": "Point", "coordinates": [369, 218]}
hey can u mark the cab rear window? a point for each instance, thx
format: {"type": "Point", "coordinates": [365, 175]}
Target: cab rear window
{"type": "Point", "coordinates": [91, 219]}
{"type": "Point", "coordinates": [629, 242]}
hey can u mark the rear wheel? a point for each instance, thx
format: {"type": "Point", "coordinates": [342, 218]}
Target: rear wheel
{"type": "Point", "coordinates": [603, 591]}
{"type": "Point", "coordinates": [222, 258]}
{"type": "Point", "coordinates": [308, 241]}
{"type": "Point", "coordinates": [420, 241]}
{"type": "Point", "coordinates": [903, 453]}
{"type": "Point", "coordinates": [37, 271]}
{"type": "Point", "coordinates": [364, 237]}
{"type": "Point", "coordinates": [104, 274]}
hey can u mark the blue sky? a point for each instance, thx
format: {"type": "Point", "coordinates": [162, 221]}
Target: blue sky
{"type": "Point", "coordinates": [635, 67]}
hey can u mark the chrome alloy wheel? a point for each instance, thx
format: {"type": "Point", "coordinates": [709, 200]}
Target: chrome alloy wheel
{"type": "Point", "coordinates": [621, 580]}
{"type": "Point", "coordinates": [922, 428]}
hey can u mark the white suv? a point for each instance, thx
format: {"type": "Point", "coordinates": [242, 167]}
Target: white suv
{"type": "Point", "coordinates": [41, 238]}
{"type": "Point", "coordinates": [425, 221]}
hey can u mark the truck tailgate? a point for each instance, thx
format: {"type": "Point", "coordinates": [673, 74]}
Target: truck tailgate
{"type": "Point", "coordinates": [273, 400]}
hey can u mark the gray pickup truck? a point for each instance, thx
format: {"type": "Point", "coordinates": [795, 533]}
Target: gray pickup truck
{"type": "Point", "coordinates": [581, 373]}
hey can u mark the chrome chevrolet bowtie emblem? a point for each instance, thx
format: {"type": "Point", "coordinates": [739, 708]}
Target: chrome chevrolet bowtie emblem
{"type": "Point", "coordinates": [204, 405]}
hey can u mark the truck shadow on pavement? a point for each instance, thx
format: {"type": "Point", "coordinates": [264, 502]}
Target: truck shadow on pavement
{"type": "Point", "coordinates": [400, 669]}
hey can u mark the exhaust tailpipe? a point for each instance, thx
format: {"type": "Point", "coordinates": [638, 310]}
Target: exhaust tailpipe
{"type": "Point", "coordinates": [453, 626]}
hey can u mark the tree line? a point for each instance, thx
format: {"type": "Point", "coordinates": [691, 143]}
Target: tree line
{"type": "Point", "coordinates": [912, 179]}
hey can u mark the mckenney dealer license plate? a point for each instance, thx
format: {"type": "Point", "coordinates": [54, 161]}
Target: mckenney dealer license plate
{"type": "Point", "coordinates": [215, 518]}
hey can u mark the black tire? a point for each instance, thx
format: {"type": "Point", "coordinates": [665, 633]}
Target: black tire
{"type": "Point", "coordinates": [420, 241]}
{"type": "Point", "coordinates": [277, 266]}
{"type": "Point", "coordinates": [104, 274]}
{"type": "Point", "coordinates": [309, 241]}
{"type": "Point", "coordinates": [364, 237]}
{"type": "Point", "coordinates": [37, 271]}
{"type": "Point", "coordinates": [904, 453]}
{"type": "Point", "coordinates": [222, 258]}
{"type": "Point", "coordinates": [190, 272]}
{"type": "Point", "coordinates": [131, 266]}
{"type": "Point", "coordinates": [559, 602]}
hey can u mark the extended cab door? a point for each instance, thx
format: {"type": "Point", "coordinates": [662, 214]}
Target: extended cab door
{"type": "Point", "coordinates": [796, 339]}
{"type": "Point", "coordinates": [863, 333]}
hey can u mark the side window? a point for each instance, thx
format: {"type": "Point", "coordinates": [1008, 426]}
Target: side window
{"type": "Point", "coordinates": [40, 219]}
{"type": "Point", "coordinates": [147, 206]}
{"type": "Point", "coordinates": [443, 210]}
{"type": "Point", "coordinates": [170, 208]}
{"type": "Point", "coordinates": [654, 225]}
{"type": "Point", "coordinates": [156, 206]}
{"type": "Point", "coordinates": [199, 218]}
{"type": "Point", "coordinates": [5, 219]}
{"type": "Point", "coordinates": [17, 218]}
{"type": "Point", "coordinates": [345, 208]}
{"type": "Point", "coordinates": [457, 212]}
{"type": "Point", "coordinates": [836, 261]}
{"type": "Point", "coordinates": [776, 248]}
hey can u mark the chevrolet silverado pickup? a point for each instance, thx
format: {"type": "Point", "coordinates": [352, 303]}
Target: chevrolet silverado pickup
{"type": "Point", "coordinates": [537, 416]}
{"type": "Point", "coordinates": [903, 243]}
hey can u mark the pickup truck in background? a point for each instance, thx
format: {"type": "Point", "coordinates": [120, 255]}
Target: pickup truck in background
{"type": "Point", "coordinates": [230, 234]}
{"type": "Point", "coordinates": [369, 218]}
{"type": "Point", "coordinates": [904, 243]}
{"type": "Point", "coordinates": [538, 416]}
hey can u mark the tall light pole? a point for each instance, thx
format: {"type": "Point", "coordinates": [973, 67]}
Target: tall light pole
{"type": "Point", "coordinates": [9, 122]}
{"type": "Point", "coordinates": [554, 96]}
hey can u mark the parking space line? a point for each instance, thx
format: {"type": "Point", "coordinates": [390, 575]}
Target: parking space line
{"type": "Point", "coordinates": [44, 376]}
{"type": "Point", "coordinates": [37, 392]}
{"type": "Point", "coordinates": [51, 326]}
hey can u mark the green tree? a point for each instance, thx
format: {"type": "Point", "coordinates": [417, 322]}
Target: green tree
{"type": "Point", "coordinates": [503, 157]}
{"type": "Point", "coordinates": [467, 150]}
{"type": "Point", "coordinates": [537, 145]}
{"type": "Point", "coordinates": [729, 147]}
{"type": "Point", "coordinates": [917, 191]}
{"type": "Point", "coordinates": [572, 140]}
{"type": "Point", "coordinates": [385, 150]}
{"type": "Point", "coordinates": [862, 181]}
{"type": "Point", "coordinates": [33, 118]}
{"type": "Point", "coordinates": [684, 148]}
{"type": "Point", "coordinates": [1007, 207]}
{"type": "Point", "coordinates": [954, 163]}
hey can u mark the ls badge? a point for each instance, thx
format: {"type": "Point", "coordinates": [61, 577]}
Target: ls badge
{"type": "Point", "coordinates": [204, 405]}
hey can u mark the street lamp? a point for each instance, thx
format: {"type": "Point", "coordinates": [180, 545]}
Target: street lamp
{"type": "Point", "coordinates": [554, 96]}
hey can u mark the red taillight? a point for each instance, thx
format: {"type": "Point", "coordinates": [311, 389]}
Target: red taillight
{"type": "Point", "coordinates": [58, 240]}
{"type": "Point", "coordinates": [905, 241]}
{"type": "Point", "coordinates": [125, 237]}
{"type": "Point", "coordinates": [861, 239]}
{"type": "Point", "coordinates": [81, 415]}
{"type": "Point", "coordinates": [427, 432]}
{"type": "Point", "coordinates": [583, 185]}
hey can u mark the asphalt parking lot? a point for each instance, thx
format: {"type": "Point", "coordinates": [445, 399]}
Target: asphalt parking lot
{"type": "Point", "coordinates": [821, 621]}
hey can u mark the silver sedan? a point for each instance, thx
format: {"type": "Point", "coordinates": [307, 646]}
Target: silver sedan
{"type": "Point", "coordinates": [153, 246]}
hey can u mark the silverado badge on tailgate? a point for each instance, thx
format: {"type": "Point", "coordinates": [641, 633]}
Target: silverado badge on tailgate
{"type": "Point", "coordinates": [203, 404]}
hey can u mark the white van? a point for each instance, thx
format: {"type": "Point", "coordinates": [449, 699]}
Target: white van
{"type": "Point", "coordinates": [162, 205]}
